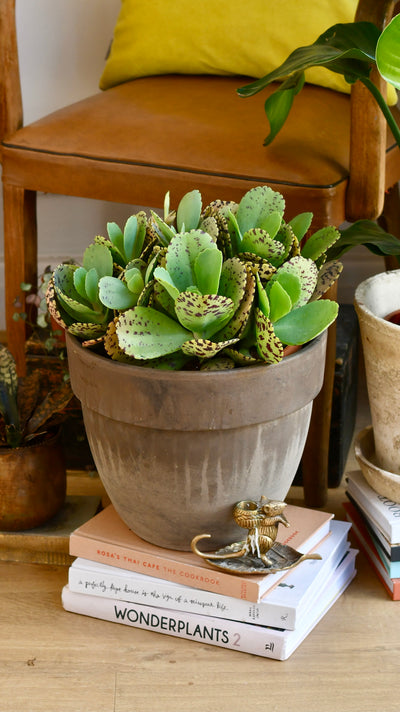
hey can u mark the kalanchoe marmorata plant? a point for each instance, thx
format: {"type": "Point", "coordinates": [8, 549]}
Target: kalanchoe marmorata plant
{"type": "Point", "coordinates": [230, 284]}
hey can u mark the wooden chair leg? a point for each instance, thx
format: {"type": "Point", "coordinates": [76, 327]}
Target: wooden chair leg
{"type": "Point", "coordinates": [20, 264]}
{"type": "Point", "coordinates": [314, 464]}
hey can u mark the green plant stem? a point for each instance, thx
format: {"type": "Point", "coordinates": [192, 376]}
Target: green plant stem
{"type": "Point", "coordinates": [384, 107]}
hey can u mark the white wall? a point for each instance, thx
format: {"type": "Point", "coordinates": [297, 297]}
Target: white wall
{"type": "Point", "coordinates": [63, 44]}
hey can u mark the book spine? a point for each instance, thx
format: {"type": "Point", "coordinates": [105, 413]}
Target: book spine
{"type": "Point", "coordinates": [385, 512]}
{"type": "Point", "coordinates": [243, 637]}
{"type": "Point", "coordinates": [242, 587]}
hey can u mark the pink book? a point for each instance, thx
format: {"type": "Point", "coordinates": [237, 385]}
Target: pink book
{"type": "Point", "coordinates": [107, 539]}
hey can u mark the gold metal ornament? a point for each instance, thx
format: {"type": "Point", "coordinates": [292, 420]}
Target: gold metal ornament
{"type": "Point", "coordinates": [259, 553]}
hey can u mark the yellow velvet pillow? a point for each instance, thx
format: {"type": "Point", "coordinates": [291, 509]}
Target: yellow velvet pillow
{"type": "Point", "coordinates": [223, 37]}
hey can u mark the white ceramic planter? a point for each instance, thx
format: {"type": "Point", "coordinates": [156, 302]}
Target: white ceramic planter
{"type": "Point", "coordinates": [375, 298]}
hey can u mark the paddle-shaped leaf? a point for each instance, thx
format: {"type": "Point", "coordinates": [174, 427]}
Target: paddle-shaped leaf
{"type": "Point", "coordinates": [203, 314]}
{"type": "Point", "coordinates": [305, 323]}
{"type": "Point", "coordinates": [256, 206]}
{"type": "Point", "coordinates": [268, 345]}
{"type": "Point", "coordinates": [146, 333]}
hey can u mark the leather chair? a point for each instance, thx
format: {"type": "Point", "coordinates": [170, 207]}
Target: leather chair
{"type": "Point", "coordinates": [132, 143]}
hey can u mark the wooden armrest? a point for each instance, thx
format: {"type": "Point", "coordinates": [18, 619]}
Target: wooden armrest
{"type": "Point", "coordinates": [10, 87]}
{"type": "Point", "coordinates": [366, 190]}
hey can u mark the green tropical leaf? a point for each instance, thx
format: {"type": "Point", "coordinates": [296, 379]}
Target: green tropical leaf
{"type": "Point", "coordinates": [388, 52]}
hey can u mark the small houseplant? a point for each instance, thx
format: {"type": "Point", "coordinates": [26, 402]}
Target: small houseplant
{"type": "Point", "coordinates": [32, 479]}
{"type": "Point", "coordinates": [176, 332]}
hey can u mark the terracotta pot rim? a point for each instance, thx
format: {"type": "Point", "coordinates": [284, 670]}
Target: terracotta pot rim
{"type": "Point", "coordinates": [298, 353]}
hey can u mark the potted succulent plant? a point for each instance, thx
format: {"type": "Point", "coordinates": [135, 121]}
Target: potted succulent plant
{"type": "Point", "coordinates": [176, 332]}
{"type": "Point", "coordinates": [32, 470]}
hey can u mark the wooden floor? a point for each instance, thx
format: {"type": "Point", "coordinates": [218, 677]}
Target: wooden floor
{"type": "Point", "coordinates": [54, 661]}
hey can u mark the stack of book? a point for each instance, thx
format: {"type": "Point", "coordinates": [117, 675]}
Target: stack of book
{"type": "Point", "coordinates": [376, 525]}
{"type": "Point", "coordinates": [121, 578]}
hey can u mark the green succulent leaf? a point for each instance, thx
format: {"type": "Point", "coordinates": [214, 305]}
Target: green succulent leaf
{"type": "Point", "coordinates": [116, 236]}
{"type": "Point", "coordinates": [92, 286]}
{"type": "Point", "coordinates": [269, 346]}
{"type": "Point", "coordinates": [263, 300]}
{"type": "Point", "coordinates": [234, 232]}
{"type": "Point", "coordinates": [300, 224]}
{"type": "Point", "coordinates": [79, 279]}
{"type": "Point", "coordinates": [204, 348]}
{"type": "Point", "coordinates": [204, 315]}
{"type": "Point", "coordinates": [182, 254]}
{"type": "Point", "coordinates": [134, 280]}
{"type": "Point", "coordinates": [207, 270]}
{"type": "Point", "coordinates": [145, 333]}
{"type": "Point", "coordinates": [256, 207]}
{"type": "Point", "coordinates": [80, 312]}
{"type": "Point", "coordinates": [318, 243]}
{"type": "Point", "coordinates": [165, 232]}
{"type": "Point", "coordinates": [280, 302]}
{"type": "Point", "coordinates": [307, 273]}
{"type": "Point", "coordinates": [87, 331]}
{"type": "Point", "coordinates": [114, 294]}
{"type": "Point", "coordinates": [260, 243]}
{"type": "Point", "coordinates": [327, 276]}
{"type": "Point", "coordinates": [99, 257]}
{"type": "Point", "coordinates": [305, 323]}
{"type": "Point", "coordinates": [233, 280]}
{"type": "Point", "coordinates": [163, 277]}
{"type": "Point", "coordinates": [291, 283]}
{"type": "Point", "coordinates": [189, 211]}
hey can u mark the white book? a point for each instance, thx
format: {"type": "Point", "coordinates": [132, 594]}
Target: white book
{"type": "Point", "coordinates": [281, 607]}
{"type": "Point", "coordinates": [382, 511]}
{"type": "Point", "coordinates": [244, 637]}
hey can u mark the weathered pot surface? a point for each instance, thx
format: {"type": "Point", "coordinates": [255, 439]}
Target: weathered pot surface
{"type": "Point", "coordinates": [177, 450]}
{"type": "Point", "coordinates": [375, 299]}
{"type": "Point", "coordinates": [32, 484]}
{"type": "Point", "coordinates": [383, 482]}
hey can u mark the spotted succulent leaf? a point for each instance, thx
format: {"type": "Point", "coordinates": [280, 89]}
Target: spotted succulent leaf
{"type": "Point", "coordinates": [182, 254]}
{"type": "Point", "coordinates": [269, 346]}
{"type": "Point", "coordinates": [87, 331]}
{"type": "Point", "coordinates": [218, 363]}
{"type": "Point", "coordinates": [318, 243]}
{"type": "Point", "coordinates": [259, 242]}
{"type": "Point", "coordinates": [236, 325]}
{"type": "Point", "coordinates": [204, 348]}
{"type": "Point", "coordinates": [115, 294]}
{"type": "Point", "coordinates": [327, 276]}
{"type": "Point", "coordinates": [306, 271]}
{"type": "Point", "coordinates": [204, 315]}
{"type": "Point", "coordinates": [146, 333]}
{"type": "Point", "coordinates": [98, 257]}
{"type": "Point", "coordinates": [256, 207]}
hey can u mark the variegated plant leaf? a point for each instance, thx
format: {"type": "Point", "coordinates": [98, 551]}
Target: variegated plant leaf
{"type": "Point", "coordinates": [241, 358]}
{"type": "Point", "coordinates": [209, 225]}
{"type": "Point", "coordinates": [59, 315]}
{"type": "Point", "coordinates": [306, 271]}
{"type": "Point", "coordinates": [257, 205]}
{"type": "Point", "coordinates": [112, 346]}
{"type": "Point", "coordinates": [259, 242]}
{"type": "Point", "coordinates": [204, 315]}
{"type": "Point", "coordinates": [269, 346]}
{"type": "Point", "coordinates": [204, 348]}
{"type": "Point", "coordinates": [55, 401]}
{"type": "Point", "coordinates": [240, 318]}
{"type": "Point", "coordinates": [87, 331]}
{"type": "Point", "coordinates": [264, 268]}
{"type": "Point", "coordinates": [327, 276]}
{"type": "Point", "coordinates": [218, 363]}
{"type": "Point", "coordinates": [182, 253]}
{"type": "Point", "coordinates": [318, 243]}
{"type": "Point", "coordinates": [145, 333]}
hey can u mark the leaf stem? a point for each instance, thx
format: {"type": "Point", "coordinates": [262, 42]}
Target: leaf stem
{"type": "Point", "coordinates": [383, 106]}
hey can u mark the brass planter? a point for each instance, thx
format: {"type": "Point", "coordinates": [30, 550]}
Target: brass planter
{"type": "Point", "coordinates": [32, 484]}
